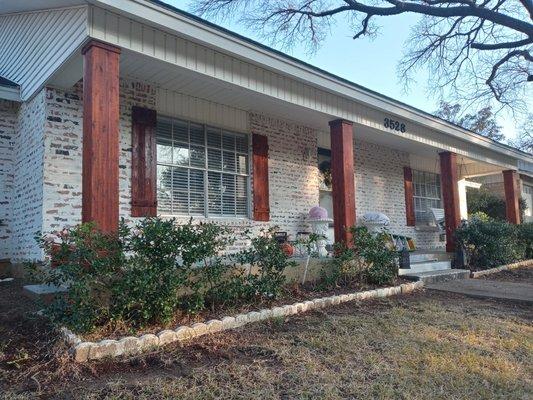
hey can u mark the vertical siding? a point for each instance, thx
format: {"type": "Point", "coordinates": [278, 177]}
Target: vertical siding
{"type": "Point", "coordinates": [174, 104]}
{"type": "Point", "coordinates": [34, 44]}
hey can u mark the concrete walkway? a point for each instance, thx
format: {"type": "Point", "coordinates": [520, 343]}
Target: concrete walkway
{"type": "Point", "coordinates": [488, 289]}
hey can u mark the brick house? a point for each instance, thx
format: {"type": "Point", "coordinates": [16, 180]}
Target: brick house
{"type": "Point", "coordinates": [115, 108]}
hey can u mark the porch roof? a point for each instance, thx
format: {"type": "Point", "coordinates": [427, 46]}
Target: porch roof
{"type": "Point", "coordinates": [276, 75]}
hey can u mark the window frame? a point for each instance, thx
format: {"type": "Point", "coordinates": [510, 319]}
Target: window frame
{"type": "Point", "coordinates": [248, 175]}
{"type": "Point", "coordinates": [417, 211]}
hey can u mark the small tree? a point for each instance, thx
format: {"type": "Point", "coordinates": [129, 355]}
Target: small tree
{"type": "Point", "coordinates": [482, 122]}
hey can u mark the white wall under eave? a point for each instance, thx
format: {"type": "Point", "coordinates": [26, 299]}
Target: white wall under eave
{"type": "Point", "coordinates": [27, 195]}
{"type": "Point", "coordinates": [8, 132]}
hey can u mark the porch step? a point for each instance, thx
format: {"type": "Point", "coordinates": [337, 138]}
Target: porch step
{"type": "Point", "coordinates": [419, 267]}
{"type": "Point", "coordinates": [429, 255]}
{"type": "Point", "coordinates": [439, 275]}
{"type": "Point", "coordinates": [43, 292]}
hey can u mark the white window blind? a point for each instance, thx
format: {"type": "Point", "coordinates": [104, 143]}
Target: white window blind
{"type": "Point", "coordinates": [427, 194]}
{"type": "Point", "coordinates": [201, 170]}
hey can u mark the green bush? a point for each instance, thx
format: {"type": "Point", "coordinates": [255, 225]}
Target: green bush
{"type": "Point", "coordinates": [490, 243]}
{"type": "Point", "coordinates": [368, 259]}
{"type": "Point", "coordinates": [90, 263]}
{"type": "Point", "coordinates": [486, 202]}
{"type": "Point", "coordinates": [267, 255]}
{"type": "Point", "coordinates": [525, 236]}
{"type": "Point", "coordinates": [147, 273]}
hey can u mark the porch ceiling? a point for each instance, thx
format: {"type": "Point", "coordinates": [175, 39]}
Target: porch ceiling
{"type": "Point", "coordinates": [170, 77]}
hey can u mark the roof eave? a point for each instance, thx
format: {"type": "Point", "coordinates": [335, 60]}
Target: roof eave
{"type": "Point", "coordinates": [10, 93]}
{"type": "Point", "coordinates": [324, 79]}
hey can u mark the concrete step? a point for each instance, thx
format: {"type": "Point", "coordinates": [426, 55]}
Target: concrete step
{"type": "Point", "coordinates": [425, 266]}
{"type": "Point", "coordinates": [428, 256]}
{"type": "Point", "coordinates": [42, 292]}
{"type": "Point", "coordinates": [439, 275]}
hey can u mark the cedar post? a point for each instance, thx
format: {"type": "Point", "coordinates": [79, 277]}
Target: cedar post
{"type": "Point", "coordinates": [512, 205]}
{"type": "Point", "coordinates": [100, 197]}
{"type": "Point", "coordinates": [261, 191]}
{"type": "Point", "coordinates": [409, 196]}
{"type": "Point", "coordinates": [343, 179]}
{"type": "Point", "coordinates": [450, 196]}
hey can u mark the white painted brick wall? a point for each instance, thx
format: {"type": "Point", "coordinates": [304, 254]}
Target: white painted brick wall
{"type": "Point", "coordinates": [28, 179]}
{"type": "Point", "coordinates": [293, 172]}
{"type": "Point", "coordinates": [8, 126]}
{"type": "Point", "coordinates": [379, 187]}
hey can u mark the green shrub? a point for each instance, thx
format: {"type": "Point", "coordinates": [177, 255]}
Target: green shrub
{"type": "Point", "coordinates": [486, 202]}
{"type": "Point", "coordinates": [490, 243]}
{"type": "Point", "coordinates": [147, 273]}
{"type": "Point", "coordinates": [369, 259]}
{"type": "Point", "coordinates": [90, 263]}
{"type": "Point", "coordinates": [268, 257]}
{"type": "Point", "coordinates": [525, 236]}
{"type": "Point", "coordinates": [153, 275]}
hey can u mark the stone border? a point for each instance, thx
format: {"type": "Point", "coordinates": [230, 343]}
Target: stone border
{"type": "Point", "coordinates": [84, 351]}
{"type": "Point", "coordinates": [525, 263]}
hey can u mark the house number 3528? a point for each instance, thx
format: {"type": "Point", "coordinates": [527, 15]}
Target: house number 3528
{"type": "Point", "coordinates": [394, 125]}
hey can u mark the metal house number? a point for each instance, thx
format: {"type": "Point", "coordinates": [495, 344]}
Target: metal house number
{"type": "Point", "coordinates": [394, 125]}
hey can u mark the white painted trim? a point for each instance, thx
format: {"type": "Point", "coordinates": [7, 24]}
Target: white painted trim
{"type": "Point", "coordinates": [10, 93]}
{"type": "Point", "coordinates": [168, 20]}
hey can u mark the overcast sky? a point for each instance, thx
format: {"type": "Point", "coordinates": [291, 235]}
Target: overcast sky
{"type": "Point", "coordinates": [368, 62]}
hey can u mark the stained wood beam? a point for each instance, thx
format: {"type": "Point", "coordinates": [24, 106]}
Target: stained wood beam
{"type": "Point", "coordinates": [450, 196]}
{"type": "Point", "coordinates": [512, 204]}
{"type": "Point", "coordinates": [343, 179]}
{"type": "Point", "coordinates": [100, 195]}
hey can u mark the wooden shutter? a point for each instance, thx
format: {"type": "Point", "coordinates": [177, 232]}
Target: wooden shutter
{"type": "Point", "coordinates": [143, 163]}
{"type": "Point", "coordinates": [260, 178]}
{"type": "Point", "coordinates": [409, 196]}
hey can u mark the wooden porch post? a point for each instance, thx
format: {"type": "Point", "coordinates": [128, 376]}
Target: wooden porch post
{"type": "Point", "coordinates": [343, 180]}
{"type": "Point", "coordinates": [100, 198]}
{"type": "Point", "coordinates": [512, 207]}
{"type": "Point", "coordinates": [450, 196]}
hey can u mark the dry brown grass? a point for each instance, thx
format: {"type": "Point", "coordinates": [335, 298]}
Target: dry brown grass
{"type": "Point", "coordinates": [422, 346]}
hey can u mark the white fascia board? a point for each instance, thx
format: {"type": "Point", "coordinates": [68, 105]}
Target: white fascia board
{"type": "Point", "coordinates": [10, 93]}
{"type": "Point", "coordinates": [176, 23]}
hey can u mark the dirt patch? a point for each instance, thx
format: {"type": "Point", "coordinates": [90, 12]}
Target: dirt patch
{"type": "Point", "coordinates": [521, 275]}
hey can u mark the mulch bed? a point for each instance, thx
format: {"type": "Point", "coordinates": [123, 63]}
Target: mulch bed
{"type": "Point", "coordinates": [291, 294]}
{"type": "Point", "coordinates": [523, 275]}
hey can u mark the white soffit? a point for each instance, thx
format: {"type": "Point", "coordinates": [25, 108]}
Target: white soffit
{"type": "Point", "coordinates": [198, 31]}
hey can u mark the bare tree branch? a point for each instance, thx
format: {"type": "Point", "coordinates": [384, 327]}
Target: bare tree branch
{"type": "Point", "coordinates": [475, 50]}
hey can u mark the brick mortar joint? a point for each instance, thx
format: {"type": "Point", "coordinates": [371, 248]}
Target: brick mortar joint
{"type": "Point", "coordinates": [109, 348]}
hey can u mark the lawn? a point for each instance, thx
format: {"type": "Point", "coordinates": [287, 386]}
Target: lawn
{"type": "Point", "coordinates": [420, 346]}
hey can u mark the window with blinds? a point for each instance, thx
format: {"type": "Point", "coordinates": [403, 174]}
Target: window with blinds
{"type": "Point", "coordinates": [427, 194]}
{"type": "Point", "coordinates": [201, 170]}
